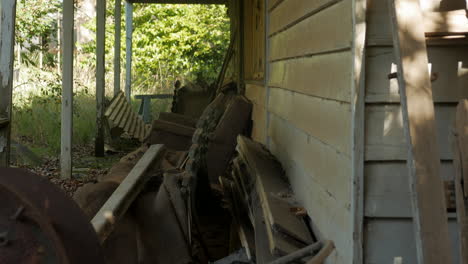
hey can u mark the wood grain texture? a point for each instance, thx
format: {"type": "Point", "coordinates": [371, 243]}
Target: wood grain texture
{"type": "Point", "coordinates": [426, 186]}
{"type": "Point", "coordinates": [291, 11]}
{"type": "Point", "coordinates": [325, 120]}
{"type": "Point", "coordinates": [449, 63]}
{"type": "Point", "coordinates": [333, 25]}
{"type": "Point", "coordinates": [387, 193]}
{"type": "Point", "coordinates": [316, 75]}
{"type": "Point", "coordinates": [385, 138]}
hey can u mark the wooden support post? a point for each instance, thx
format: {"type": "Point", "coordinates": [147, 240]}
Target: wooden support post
{"type": "Point", "coordinates": [7, 40]}
{"type": "Point", "coordinates": [118, 21]}
{"type": "Point", "coordinates": [240, 47]}
{"type": "Point", "coordinates": [100, 76]}
{"type": "Point", "coordinates": [128, 49]}
{"type": "Point", "coordinates": [460, 163]}
{"type": "Point", "coordinates": [67, 90]}
{"type": "Point", "coordinates": [426, 186]}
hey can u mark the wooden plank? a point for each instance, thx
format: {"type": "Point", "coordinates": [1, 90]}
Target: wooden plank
{"type": "Point", "coordinates": [116, 206]}
{"type": "Point", "coordinates": [117, 38]}
{"type": "Point", "coordinates": [7, 26]}
{"type": "Point", "coordinates": [315, 75]}
{"type": "Point", "coordinates": [385, 138]}
{"type": "Point", "coordinates": [122, 113]}
{"type": "Point", "coordinates": [426, 186]}
{"type": "Point", "coordinates": [118, 108]}
{"type": "Point", "coordinates": [358, 83]}
{"type": "Point", "coordinates": [130, 122]}
{"type": "Point", "coordinates": [387, 192]}
{"type": "Point", "coordinates": [262, 248]}
{"type": "Point", "coordinates": [269, 183]}
{"type": "Point", "coordinates": [333, 25]}
{"type": "Point", "coordinates": [66, 130]}
{"type": "Point", "coordinates": [125, 117]}
{"type": "Point", "coordinates": [289, 12]}
{"type": "Point", "coordinates": [173, 128]}
{"type": "Point", "coordinates": [128, 49]}
{"type": "Point", "coordinates": [449, 63]}
{"type": "Point", "coordinates": [386, 239]}
{"type": "Point", "coordinates": [460, 146]}
{"type": "Point", "coordinates": [113, 104]}
{"type": "Point", "coordinates": [326, 120]}
{"type": "Point", "coordinates": [100, 76]}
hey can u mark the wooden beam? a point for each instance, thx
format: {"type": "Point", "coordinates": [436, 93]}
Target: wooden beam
{"type": "Point", "coordinates": [7, 40]}
{"type": "Point", "coordinates": [460, 162]}
{"type": "Point", "coordinates": [206, 2]}
{"type": "Point", "coordinates": [66, 133]}
{"type": "Point", "coordinates": [119, 202]}
{"type": "Point", "coordinates": [117, 39]}
{"type": "Point", "coordinates": [426, 186]}
{"type": "Point", "coordinates": [100, 76]}
{"type": "Point", "coordinates": [128, 49]}
{"type": "Point", "coordinates": [358, 127]}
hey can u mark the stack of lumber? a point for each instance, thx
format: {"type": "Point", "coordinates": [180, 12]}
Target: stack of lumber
{"type": "Point", "coordinates": [262, 204]}
{"type": "Point", "coordinates": [120, 114]}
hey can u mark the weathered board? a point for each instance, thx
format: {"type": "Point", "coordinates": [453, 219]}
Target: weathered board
{"type": "Point", "coordinates": [426, 187]}
{"type": "Point", "coordinates": [397, 236]}
{"type": "Point", "coordinates": [316, 75]}
{"type": "Point", "coordinates": [385, 139]}
{"type": "Point", "coordinates": [333, 25]}
{"type": "Point", "coordinates": [450, 64]}
{"type": "Point", "coordinates": [288, 13]}
{"type": "Point", "coordinates": [387, 190]}
{"type": "Point", "coordinates": [326, 120]}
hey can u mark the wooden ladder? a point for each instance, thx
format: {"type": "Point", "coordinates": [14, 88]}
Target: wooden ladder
{"type": "Point", "coordinates": [410, 29]}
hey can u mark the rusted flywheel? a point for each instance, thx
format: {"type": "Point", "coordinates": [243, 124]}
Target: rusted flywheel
{"type": "Point", "coordinates": [39, 223]}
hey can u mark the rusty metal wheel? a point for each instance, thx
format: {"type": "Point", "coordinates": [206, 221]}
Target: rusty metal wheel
{"type": "Point", "coordinates": [39, 223]}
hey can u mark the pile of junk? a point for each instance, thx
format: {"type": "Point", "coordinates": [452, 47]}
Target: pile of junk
{"type": "Point", "coordinates": [198, 190]}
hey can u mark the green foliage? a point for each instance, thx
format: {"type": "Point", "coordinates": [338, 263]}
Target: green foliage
{"type": "Point", "coordinates": [171, 42]}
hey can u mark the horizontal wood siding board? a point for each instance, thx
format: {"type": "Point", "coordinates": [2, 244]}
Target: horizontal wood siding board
{"type": "Point", "coordinates": [259, 123]}
{"type": "Point", "coordinates": [325, 120]}
{"type": "Point", "coordinates": [385, 139]}
{"type": "Point", "coordinates": [386, 239]}
{"type": "Point", "coordinates": [291, 11]}
{"type": "Point", "coordinates": [256, 94]}
{"type": "Point", "coordinates": [387, 188]}
{"type": "Point", "coordinates": [325, 76]}
{"type": "Point", "coordinates": [328, 30]}
{"type": "Point", "coordinates": [327, 203]}
{"type": "Point", "coordinates": [449, 63]}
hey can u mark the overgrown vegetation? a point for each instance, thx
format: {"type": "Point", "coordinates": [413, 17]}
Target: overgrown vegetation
{"type": "Point", "coordinates": [184, 42]}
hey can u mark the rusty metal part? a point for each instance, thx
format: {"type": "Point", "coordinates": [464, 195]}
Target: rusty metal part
{"type": "Point", "coordinates": [39, 223]}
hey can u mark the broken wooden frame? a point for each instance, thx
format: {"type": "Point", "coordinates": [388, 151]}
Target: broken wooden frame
{"type": "Point", "coordinates": [119, 202]}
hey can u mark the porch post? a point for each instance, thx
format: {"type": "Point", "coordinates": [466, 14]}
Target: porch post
{"type": "Point", "coordinates": [100, 72]}
{"type": "Point", "coordinates": [128, 49]}
{"type": "Point", "coordinates": [67, 90]}
{"type": "Point", "coordinates": [7, 42]}
{"type": "Point", "coordinates": [118, 20]}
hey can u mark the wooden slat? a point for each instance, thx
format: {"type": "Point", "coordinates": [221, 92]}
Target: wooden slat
{"type": "Point", "coordinates": [460, 148]}
{"type": "Point", "coordinates": [427, 193]}
{"type": "Point", "coordinates": [118, 108]}
{"type": "Point", "coordinates": [122, 113]}
{"type": "Point", "coordinates": [173, 128]}
{"type": "Point", "coordinates": [449, 63]}
{"type": "Point", "coordinates": [269, 182]}
{"type": "Point", "coordinates": [326, 120]}
{"type": "Point", "coordinates": [113, 104]}
{"type": "Point", "coordinates": [333, 25]}
{"type": "Point", "coordinates": [385, 138]}
{"type": "Point", "coordinates": [130, 122]}
{"type": "Point", "coordinates": [291, 11]}
{"type": "Point", "coordinates": [387, 192]}
{"type": "Point", "coordinates": [116, 206]}
{"type": "Point", "coordinates": [315, 75]}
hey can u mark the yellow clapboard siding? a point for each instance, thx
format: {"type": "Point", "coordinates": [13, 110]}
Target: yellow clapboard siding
{"type": "Point", "coordinates": [326, 75]}
{"type": "Point", "coordinates": [328, 30]}
{"type": "Point", "coordinates": [326, 120]}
